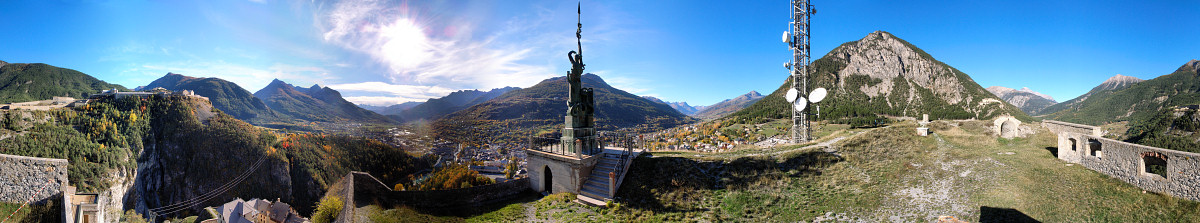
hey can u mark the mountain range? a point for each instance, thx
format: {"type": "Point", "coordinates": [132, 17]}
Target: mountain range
{"type": "Point", "coordinates": [1124, 98]}
{"type": "Point", "coordinates": [682, 107]}
{"type": "Point", "coordinates": [315, 103]}
{"type": "Point", "coordinates": [1029, 101]}
{"type": "Point", "coordinates": [224, 95]}
{"type": "Point", "coordinates": [728, 106]}
{"type": "Point", "coordinates": [540, 109]}
{"type": "Point", "coordinates": [21, 82]}
{"type": "Point", "coordinates": [882, 74]}
{"type": "Point", "coordinates": [435, 108]}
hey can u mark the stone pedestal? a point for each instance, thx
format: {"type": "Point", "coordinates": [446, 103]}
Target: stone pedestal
{"type": "Point", "coordinates": [923, 131]}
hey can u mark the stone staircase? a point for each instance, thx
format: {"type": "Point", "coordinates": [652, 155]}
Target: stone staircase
{"type": "Point", "coordinates": [596, 189]}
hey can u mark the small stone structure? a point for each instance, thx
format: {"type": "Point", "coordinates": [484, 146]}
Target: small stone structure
{"type": "Point", "coordinates": [923, 131]}
{"type": "Point", "coordinates": [86, 208]}
{"type": "Point", "coordinates": [1129, 162]}
{"type": "Point", "coordinates": [1009, 127]}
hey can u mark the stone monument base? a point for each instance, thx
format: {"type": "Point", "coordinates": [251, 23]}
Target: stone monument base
{"type": "Point", "coordinates": [923, 131]}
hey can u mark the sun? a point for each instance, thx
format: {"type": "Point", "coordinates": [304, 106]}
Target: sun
{"type": "Point", "coordinates": [405, 44]}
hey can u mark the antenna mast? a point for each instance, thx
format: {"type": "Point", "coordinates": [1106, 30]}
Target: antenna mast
{"type": "Point", "coordinates": [798, 42]}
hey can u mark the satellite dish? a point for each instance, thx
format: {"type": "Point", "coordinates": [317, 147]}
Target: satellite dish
{"type": "Point", "coordinates": [787, 65]}
{"type": "Point", "coordinates": [800, 104]}
{"type": "Point", "coordinates": [817, 95]}
{"type": "Point", "coordinates": [791, 95]}
{"type": "Point", "coordinates": [785, 37]}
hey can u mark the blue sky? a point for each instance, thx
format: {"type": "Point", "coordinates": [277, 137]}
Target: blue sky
{"type": "Point", "coordinates": [387, 52]}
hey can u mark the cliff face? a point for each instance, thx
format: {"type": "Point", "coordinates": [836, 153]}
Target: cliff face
{"type": "Point", "coordinates": [205, 162]}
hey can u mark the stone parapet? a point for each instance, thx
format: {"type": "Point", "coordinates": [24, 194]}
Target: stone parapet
{"type": "Point", "coordinates": [1059, 127]}
{"type": "Point", "coordinates": [22, 177]}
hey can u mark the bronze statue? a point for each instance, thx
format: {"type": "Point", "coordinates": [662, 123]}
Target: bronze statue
{"type": "Point", "coordinates": [579, 131]}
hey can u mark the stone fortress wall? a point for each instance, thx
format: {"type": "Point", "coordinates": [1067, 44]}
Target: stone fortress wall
{"type": "Point", "coordinates": [1083, 144]}
{"type": "Point", "coordinates": [21, 178]}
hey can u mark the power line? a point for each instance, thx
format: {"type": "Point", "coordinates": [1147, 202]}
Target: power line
{"type": "Point", "coordinates": [183, 205]}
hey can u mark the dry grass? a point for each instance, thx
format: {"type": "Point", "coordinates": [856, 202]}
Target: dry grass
{"type": "Point", "coordinates": [885, 174]}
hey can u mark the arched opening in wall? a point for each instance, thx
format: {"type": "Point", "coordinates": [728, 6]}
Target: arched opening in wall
{"type": "Point", "coordinates": [1008, 129]}
{"type": "Point", "coordinates": [548, 180]}
{"type": "Point", "coordinates": [1094, 148]}
{"type": "Point", "coordinates": [1155, 164]}
{"type": "Point", "coordinates": [1073, 144]}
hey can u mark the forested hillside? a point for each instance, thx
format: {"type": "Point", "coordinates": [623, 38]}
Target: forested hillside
{"type": "Point", "coordinates": [226, 96]}
{"type": "Point", "coordinates": [1139, 101]}
{"type": "Point", "coordinates": [21, 82]}
{"type": "Point", "coordinates": [315, 104]}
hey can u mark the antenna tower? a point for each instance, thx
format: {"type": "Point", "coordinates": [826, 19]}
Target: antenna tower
{"type": "Point", "coordinates": [799, 44]}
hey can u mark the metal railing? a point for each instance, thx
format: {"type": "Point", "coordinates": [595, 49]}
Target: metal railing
{"type": "Point", "coordinates": [588, 145]}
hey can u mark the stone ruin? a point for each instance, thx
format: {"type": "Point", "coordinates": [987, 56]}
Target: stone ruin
{"type": "Point", "coordinates": [1009, 127]}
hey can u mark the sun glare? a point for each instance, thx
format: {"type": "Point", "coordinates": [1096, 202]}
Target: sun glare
{"type": "Point", "coordinates": [405, 44]}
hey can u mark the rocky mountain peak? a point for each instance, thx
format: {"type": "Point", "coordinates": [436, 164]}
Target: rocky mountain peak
{"type": "Point", "coordinates": [749, 96]}
{"type": "Point", "coordinates": [1193, 65]}
{"type": "Point", "coordinates": [884, 57]}
{"type": "Point", "coordinates": [2, 63]}
{"type": "Point", "coordinates": [1027, 90]}
{"type": "Point", "coordinates": [1117, 82]}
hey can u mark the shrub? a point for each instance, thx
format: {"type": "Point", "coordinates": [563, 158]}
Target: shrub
{"type": "Point", "coordinates": [327, 210]}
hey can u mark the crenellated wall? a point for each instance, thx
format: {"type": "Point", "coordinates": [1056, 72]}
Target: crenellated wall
{"type": "Point", "coordinates": [1082, 144]}
{"type": "Point", "coordinates": [21, 177]}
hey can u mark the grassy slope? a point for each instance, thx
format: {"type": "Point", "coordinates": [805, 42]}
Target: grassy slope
{"type": "Point", "coordinates": [880, 174]}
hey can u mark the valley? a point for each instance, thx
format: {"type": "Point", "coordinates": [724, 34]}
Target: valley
{"type": "Point", "coordinates": [460, 111]}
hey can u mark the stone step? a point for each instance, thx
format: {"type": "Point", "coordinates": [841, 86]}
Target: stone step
{"type": "Point", "coordinates": [589, 200]}
{"type": "Point", "coordinates": [598, 176]}
{"type": "Point", "coordinates": [604, 169]}
{"type": "Point", "coordinates": [612, 162]}
{"type": "Point", "coordinates": [596, 186]}
{"type": "Point", "coordinates": [593, 194]}
{"type": "Point", "coordinates": [611, 159]}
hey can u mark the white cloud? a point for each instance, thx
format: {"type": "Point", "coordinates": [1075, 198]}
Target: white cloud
{"type": "Point", "coordinates": [380, 100]}
{"type": "Point", "coordinates": [391, 93]}
{"type": "Point", "coordinates": [395, 37]}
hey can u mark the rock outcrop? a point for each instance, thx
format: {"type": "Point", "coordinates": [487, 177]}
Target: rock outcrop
{"type": "Point", "coordinates": [881, 74]}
